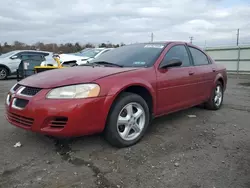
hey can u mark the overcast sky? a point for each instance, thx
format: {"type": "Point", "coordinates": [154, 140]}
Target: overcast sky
{"type": "Point", "coordinates": [128, 21]}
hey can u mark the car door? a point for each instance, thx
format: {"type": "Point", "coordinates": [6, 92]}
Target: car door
{"type": "Point", "coordinates": [204, 71]}
{"type": "Point", "coordinates": [176, 86]}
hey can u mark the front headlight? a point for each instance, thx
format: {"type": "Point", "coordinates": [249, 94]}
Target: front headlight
{"type": "Point", "coordinates": [79, 91]}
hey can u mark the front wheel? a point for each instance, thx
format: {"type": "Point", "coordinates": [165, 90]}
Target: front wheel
{"type": "Point", "coordinates": [3, 73]}
{"type": "Point", "coordinates": [127, 121]}
{"type": "Point", "coordinates": [216, 98]}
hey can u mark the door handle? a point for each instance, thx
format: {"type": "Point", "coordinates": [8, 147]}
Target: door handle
{"type": "Point", "coordinates": [213, 69]}
{"type": "Point", "coordinates": [191, 73]}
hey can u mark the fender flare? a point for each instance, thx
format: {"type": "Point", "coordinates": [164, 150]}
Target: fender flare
{"type": "Point", "coordinates": [120, 87]}
{"type": "Point", "coordinates": [219, 76]}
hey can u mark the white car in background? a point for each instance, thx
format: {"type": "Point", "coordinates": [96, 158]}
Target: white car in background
{"type": "Point", "coordinates": [82, 57]}
{"type": "Point", "coordinates": [9, 62]}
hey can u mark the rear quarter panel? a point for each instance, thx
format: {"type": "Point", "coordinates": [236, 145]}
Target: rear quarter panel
{"type": "Point", "coordinates": [221, 73]}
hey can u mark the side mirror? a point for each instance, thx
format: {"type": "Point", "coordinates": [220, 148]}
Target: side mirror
{"type": "Point", "coordinates": [171, 63]}
{"type": "Point", "coordinates": [14, 57]}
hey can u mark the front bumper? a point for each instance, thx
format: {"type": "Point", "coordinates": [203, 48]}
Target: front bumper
{"type": "Point", "coordinates": [63, 118]}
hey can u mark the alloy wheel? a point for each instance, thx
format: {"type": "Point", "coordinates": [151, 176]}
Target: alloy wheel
{"type": "Point", "coordinates": [3, 73]}
{"type": "Point", "coordinates": [131, 121]}
{"type": "Point", "coordinates": [218, 96]}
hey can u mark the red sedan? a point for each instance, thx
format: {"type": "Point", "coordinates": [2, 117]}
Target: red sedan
{"type": "Point", "coordinates": [118, 93]}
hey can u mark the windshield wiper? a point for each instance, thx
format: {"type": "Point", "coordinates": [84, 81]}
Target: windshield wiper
{"type": "Point", "coordinates": [106, 63]}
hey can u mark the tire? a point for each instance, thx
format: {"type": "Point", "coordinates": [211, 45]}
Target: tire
{"type": "Point", "coordinates": [3, 73]}
{"type": "Point", "coordinates": [213, 103]}
{"type": "Point", "coordinates": [118, 134]}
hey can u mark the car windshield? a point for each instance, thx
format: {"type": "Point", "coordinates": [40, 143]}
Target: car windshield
{"type": "Point", "coordinates": [135, 55]}
{"type": "Point", "coordinates": [82, 51]}
{"type": "Point", "coordinates": [8, 54]}
{"type": "Point", "coordinates": [90, 53]}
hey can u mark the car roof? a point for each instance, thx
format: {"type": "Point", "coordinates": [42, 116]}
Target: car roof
{"type": "Point", "coordinates": [33, 51]}
{"type": "Point", "coordinates": [165, 43]}
{"type": "Point", "coordinates": [156, 42]}
{"type": "Point", "coordinates": [103, 48]}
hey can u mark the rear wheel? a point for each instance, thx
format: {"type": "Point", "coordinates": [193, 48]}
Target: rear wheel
{"type": "Point", "coordinates": [127, 121]}
{"type": "Point", "coordinates": [3, 73]}
{"type": "Point", "coordinates": [216, 99]}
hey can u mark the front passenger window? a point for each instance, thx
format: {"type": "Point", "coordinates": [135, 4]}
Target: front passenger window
{"type": "Point", "coordinates": [179, 52]}
{"type": "Point", "coordinates": [16, 56]}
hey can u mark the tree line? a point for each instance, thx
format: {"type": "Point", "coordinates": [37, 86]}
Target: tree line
{"type": "Point", "coordinates": [53, 47]}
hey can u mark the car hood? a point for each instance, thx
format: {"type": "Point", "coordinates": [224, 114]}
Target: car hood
{"type": "Point", "coordinates": [70, 57]}
{"type": "Point", "coordinates": [73, 75]}
{"type": "Point", "coordinates": [2, 59]}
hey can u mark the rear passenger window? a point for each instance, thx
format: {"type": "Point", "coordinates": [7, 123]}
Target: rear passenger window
{"type": "Point", "coordinates": [36, 57]}
{"type": "Point", "coordinates": [25, 56]}
{"type": "Point", "coordinates": [180, 52]}
{"type": "Point", "coordinates": [199, 57]}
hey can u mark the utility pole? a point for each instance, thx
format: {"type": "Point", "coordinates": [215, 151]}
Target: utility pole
{"type": "Point", "coordinates": [191, 39]}
{"type": "Point", "coordinates": [152, 37]}
{"type": "Point", "coordinates": [238, 36]}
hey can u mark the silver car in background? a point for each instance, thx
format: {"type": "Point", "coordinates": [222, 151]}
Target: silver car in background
{"type": "Point", "coordinates": [9, 62]}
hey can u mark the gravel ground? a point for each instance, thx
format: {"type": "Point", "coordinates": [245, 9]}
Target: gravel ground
{"type": "Point", "coordinates": [211, 150]}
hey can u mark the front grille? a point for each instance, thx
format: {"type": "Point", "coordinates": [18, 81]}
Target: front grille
{"type": "Point", "coordinates": [31, 91]}
{"type": "Point", "coordinates": [24, 121]}
{"type": "Point", "coordinates": [21, 103]}
{"type": "Point", "coordinates": [16, 87]}
{"type": "Point", "coordinates": [59, 122]}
